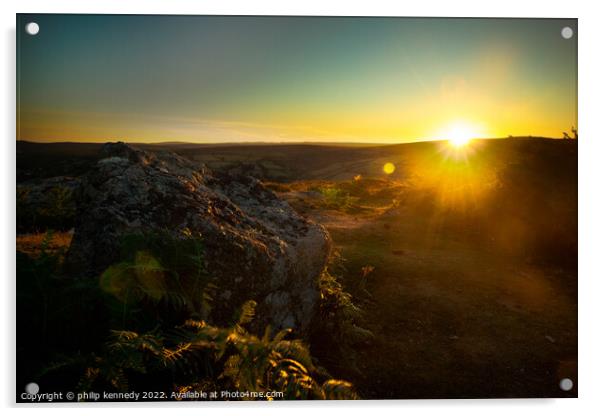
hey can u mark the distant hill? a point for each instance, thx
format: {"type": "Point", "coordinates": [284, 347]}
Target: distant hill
{"type": "Point", "coordinates": [289, 162]}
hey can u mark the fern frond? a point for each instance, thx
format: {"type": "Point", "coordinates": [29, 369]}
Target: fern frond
{"type": "Point", "coordinates": [247, 312]}
{"type": "Point", "coordinates": [339, 390]}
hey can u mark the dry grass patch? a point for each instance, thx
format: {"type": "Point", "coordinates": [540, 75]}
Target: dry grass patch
{"type": "Point", "coordinates": [32, 244]}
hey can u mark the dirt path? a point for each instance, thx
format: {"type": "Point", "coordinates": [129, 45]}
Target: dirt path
{"type": "Point", "coordinates": [453, 318]}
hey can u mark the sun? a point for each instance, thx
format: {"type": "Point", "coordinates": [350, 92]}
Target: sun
{"type": "Point", "coordinates": [459, 140]}
{"type": "Point", "coordinates": [460, 134]}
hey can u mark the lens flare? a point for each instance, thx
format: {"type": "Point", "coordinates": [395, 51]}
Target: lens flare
{"type": "Point", "coordinates": [389, 168]}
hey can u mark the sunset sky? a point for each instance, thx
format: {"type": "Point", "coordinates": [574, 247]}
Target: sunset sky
{"type": "Point", "coordinates": [234, 79]}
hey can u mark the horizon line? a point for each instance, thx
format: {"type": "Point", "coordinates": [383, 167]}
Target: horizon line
{"type": "Point", "coordinates": [259, 142]}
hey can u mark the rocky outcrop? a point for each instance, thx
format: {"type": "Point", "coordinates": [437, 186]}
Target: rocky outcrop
{"type": "Point", "coordinates": [256, 245]}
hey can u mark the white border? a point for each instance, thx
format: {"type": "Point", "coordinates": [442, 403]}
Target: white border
{"type": "Point", "coordinates": [590, 177]}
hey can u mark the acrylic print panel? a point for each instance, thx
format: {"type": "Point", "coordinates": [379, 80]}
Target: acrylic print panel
{"type": "Point", "coordinates": [285, 208]}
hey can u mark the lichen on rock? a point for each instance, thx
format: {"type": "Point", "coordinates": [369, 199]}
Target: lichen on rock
{"type": "Point", "coordinates": [257, 247]}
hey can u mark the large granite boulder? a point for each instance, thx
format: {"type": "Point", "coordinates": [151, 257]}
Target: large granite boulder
{"type": "Point", "coordinates": [256, 245]}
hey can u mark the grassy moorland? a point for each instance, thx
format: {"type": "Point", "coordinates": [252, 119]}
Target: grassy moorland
{"type": "Point", "coordinates": [455, 275]}
{"type": "Point", "coordinates": [455, 313]}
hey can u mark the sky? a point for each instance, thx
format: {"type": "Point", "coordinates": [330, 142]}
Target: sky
{"type": "Point", "coordinates": [288, 79]}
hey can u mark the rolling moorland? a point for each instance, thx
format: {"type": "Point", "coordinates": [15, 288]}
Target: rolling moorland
{"type": "Point", "coordinates": [453, 275]}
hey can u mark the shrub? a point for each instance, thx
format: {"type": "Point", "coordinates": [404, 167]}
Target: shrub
{"type": "Point", "coordinates": [198, 354]}
{"type": "Point", "coordinates": [54, 314]}
{"type": "Point", "coordinates": [157, 302]}
{"type": "Point", "coordinates": [54, 209]}
{"type": "Point", "coordinates": [339, 325]}
{"type": "Point", "coordinates": [336, 198]}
